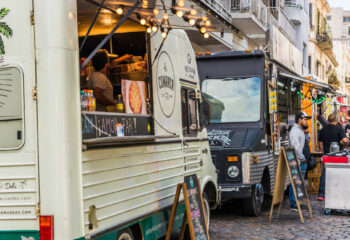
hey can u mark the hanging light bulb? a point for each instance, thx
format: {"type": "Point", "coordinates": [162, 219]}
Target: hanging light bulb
{"type": "Point", "coordinates": [143, 21]}
{"type": "Point", "coordinates": [154, 28]}
{"type": "Point", "coordinates": [156, 11]}
{"type": "Point", "coordinates": [202, 29]}
{"type": "Point", "coordinates": [163, 34]}
{"type": "Point", "coordinates": [193, 12]}
{"type": "Point", "coordinates": [179, 13]}
{"type": "Point", "coordinates": [192, 22]}
{"type": "Point", "coordinates": [204, 18]}
{"type": "Point", "coordinates": [181, 3]}
{"type": "Point", "coordinates": [149, 30]}
{"type": "Point", "coordinates": [206, 35]}
{"type": "Point", "coordinates": [165, 16]}
{"type": "Point", "coordinates": [207, 23]}
{"type": "Point", "coordinates": [120, 10]}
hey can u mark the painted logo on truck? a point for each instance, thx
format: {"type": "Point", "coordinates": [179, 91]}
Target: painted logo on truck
{"type": "Point", "coordinates": [5, 30]}
{"type": "Point", "coordinates": [166, 84]}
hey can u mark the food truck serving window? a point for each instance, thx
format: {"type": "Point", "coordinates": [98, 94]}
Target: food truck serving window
{"type": "Point", "coordinates": [11, 108]}
{"type": "Point", "coordinates": [233, 99]}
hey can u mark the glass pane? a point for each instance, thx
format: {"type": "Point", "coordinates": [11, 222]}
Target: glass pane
{"type": "Point", "coordinates": [184, 111]}
{"type": "Point", "coordinates": [192, 111]}
{"type": "Point", "coordinates": [233, 99]}
{"type": "Point", "coordinates": [11, 115]}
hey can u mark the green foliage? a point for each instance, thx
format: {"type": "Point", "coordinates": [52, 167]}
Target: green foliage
{"type": "Point", "coordinates": [4, 29]}
{"type": "Point", "coordinates": [333, 80]}
{"type": "Point", "coordinates": [3, 12]}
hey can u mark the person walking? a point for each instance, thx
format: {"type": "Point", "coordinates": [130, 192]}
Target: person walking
{"type": "Point", "coordinates": [331, 133]}
{"type": "Point", "coordinates": [297, 140]}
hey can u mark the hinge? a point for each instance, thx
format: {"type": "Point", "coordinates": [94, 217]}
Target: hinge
{"type": "Point", "coordinates": [35, 93]}
{"type": "Point", "coordinates": [37, 209]}
{"type": "Point", "coordinates": [32, 17]}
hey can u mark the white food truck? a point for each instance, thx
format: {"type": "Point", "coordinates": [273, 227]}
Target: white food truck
{"type": "Point", "coordinates": [64, 174]}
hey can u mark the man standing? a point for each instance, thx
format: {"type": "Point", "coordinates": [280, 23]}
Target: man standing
{"type": "Point", "coordinates": [297, 140]}
{"type": "Point", "coordinates": [329, 134]}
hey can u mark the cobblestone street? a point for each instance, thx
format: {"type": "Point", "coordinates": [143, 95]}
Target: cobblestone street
{"type": "Point", "coordinates": [232, 224]}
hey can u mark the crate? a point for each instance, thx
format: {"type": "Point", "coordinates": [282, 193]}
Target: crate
{"type": "Point", "coordinates": [314, 176]}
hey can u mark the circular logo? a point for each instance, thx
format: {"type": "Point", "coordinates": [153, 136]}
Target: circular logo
{"type": "Point", "coordinates": [166, 84]}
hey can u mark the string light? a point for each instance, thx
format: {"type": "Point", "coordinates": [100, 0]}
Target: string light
{"type": "Point", "coordinates": [156, 11]}
{"type": "Point", "coordinates": [204, 18]}
{"type": "Point", "coordinates": [202, 29]}
{"type": "Point", "coordinates": [165, 16]}
{"type": "Point", "coordinates": [192, 22]}
{"type": "Point", "coordinates": [193, 12]}
{"type": "Point", "coordinates": [154, 28]}
{"type": "Point", "coordinates": [143, 21]}
{"type": "Point", "coordinates": [163, 34]}
{"type": "Point", "coordinates": [149, 29]}
{"type": "Point", "coordinates": [206, 35]}
{"type": "Point", "coordinates": [120, 10]}
{"type": "Point", "coordinates": [207, 23]}
{"type": "Point", "coordinates": [179, 13]}
{"type": "Point", "coordinates": [181, 3]}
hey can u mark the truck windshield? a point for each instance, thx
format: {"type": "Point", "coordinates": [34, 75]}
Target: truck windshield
{"type": "Point", "coordinates": [233, 99]}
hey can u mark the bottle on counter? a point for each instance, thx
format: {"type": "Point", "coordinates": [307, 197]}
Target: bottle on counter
{"type": "Point", "coordinates": [119, 129]}
{"type": "Point", "coordinates": [83, 100]}
{"type": "Point", "coordinates": [334, 147]}
{"type": "Point", "coordinates": [120, 104]}
{"type": "Point", "coordinates": [93, 101]}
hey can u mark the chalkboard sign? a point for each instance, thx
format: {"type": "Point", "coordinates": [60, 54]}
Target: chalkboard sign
{"type": "Point", "coordinates": [196, 206]}
{"type": "Point", "coordinates": [194, 215]}
{"type": "Point", "coordinates": [102, 124]}
{"type": "Point", "coordinates": [296, 174]}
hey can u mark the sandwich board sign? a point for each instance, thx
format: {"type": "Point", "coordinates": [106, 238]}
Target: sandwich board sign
{"type": "Point", "coordinates": [194, 214]}
{"type": "Point", "coordinates": [288, 164]}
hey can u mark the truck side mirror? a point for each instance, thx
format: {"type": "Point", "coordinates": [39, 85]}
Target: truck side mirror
{"type": "Point", "coordinates": [204, 114]}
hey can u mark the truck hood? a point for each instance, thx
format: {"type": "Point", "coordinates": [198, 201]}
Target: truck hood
{"type": "Point", "coordinates": [242, 138]}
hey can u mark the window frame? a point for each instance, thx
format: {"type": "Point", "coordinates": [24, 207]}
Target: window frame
{"type": "Point", "coordinates": [187, 133]}
{"type": "Point", "coordinates": [21, 73]}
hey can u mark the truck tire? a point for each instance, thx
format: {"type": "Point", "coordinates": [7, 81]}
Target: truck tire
{"type": "Point", "coordinates": [125, 234]}
{"type": "Point", "coordinates": [253, 205]}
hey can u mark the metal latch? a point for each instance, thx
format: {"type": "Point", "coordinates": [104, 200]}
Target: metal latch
{"type": "Point", "coordinates": [35, 93]}
{"type": "Point", "coordinates": [32, 17]}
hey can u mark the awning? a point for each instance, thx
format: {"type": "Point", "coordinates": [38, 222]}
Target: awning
{"type": "Point", "coordinates": [315, 84]}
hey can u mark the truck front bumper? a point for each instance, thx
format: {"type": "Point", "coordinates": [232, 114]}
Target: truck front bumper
{"type": "Point", "coordinates": [235, 191]}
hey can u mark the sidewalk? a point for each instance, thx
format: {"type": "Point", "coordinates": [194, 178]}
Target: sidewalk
{"type": "Point", "coordinates": [231, 224]}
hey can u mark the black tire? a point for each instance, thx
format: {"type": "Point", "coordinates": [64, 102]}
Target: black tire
{"type": "Point", "coordinates": [125, 234]}
{"type": "Point", "coordinates": [253, 205]}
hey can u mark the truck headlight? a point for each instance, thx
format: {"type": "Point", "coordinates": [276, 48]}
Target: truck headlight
{"type": "Point", "coordinates": [233, 171]}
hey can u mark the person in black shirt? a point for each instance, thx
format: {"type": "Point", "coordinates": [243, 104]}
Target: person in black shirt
{"type": "Point", "coordinates": [329, 134]}
{"type": "Point", "coordinates": [347, 128]}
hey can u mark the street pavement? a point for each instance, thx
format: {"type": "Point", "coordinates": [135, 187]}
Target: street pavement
{"type": "Point", "coordinates": [230, 223]}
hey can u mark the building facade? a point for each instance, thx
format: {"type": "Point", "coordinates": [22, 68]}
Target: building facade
{"type": "Point", "coordinates": [339, 21]}
{"type": "Point", "coordinates": [322, 60]}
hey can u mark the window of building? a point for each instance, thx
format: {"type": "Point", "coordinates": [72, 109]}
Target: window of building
{"type": "Point", "coordinates": [309, 64]}
{"type": "Point", "coordinates": [11, 108]}
{"type": "Point", "coordinates": [329, 18]}
{"type": "Point", "coordinates": [318, 68]}
{"type": "Point", "coordinates": [189, 111]}
{"type": "Point", "coordinates": [310, 14]}
{"type": "Point", "coordinates": [346, 19]}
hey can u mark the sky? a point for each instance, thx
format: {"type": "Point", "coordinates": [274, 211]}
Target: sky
{"type": "Point", "coordinates": [340, 3]}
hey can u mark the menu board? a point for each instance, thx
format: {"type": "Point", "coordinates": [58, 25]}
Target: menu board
{"type": "Point", "coordinates": [296, 174]}
{"type": "Point", "coordinates": [196, 207]}
{"type": "Point", "coordinates": [99, 125]}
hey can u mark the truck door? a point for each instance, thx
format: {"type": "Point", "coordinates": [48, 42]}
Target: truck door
{"type": "Point", "coordinates": [19, 194]}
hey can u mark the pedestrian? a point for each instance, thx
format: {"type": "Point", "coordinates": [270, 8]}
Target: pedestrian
{"type": "Point", "coordinates": [347, 127]}
{"type": "Point", "coordinates": [331, 133]}
{"type": "Point", "coordinates": [297, 140]}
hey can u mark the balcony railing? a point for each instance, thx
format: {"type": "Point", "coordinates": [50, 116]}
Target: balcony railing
{"type": "Point", "coordinates": [257, 7]}
{"type": "Point", "coordinates": [293, 3]}
{"type": "Point", "coordinates": [324, 40]}
{"type": "Point", "coordinates": [284, 23]}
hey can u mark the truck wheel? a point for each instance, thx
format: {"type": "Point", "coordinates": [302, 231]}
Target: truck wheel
{"type": "Point", "coordinates": [253, 205]}
{"type": "Point", "coordinates": [125, 234]}
{"type": "Point", "coordinates": [206, 207]}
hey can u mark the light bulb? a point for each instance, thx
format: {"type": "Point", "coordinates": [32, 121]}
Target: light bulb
{"type": "Point", "coordinates": [192, 22]}
{"type": "Point", "coordinates": [163, 34]}
{"type": "Point", "coordinates": [179, 13]}
{"type": "Point", "coordinates": [120, 11]}
{"type": "Point", "coordinates": [206, 35]}
{"type": "Point", "coordinates": [165, 16]}
{"type": "Point", "coordinates": [156, 11]}
{"type": "Point", "coordinates": [142, 21]}
{"type": "Point", "coordinates": [204, 18]}
{"type": "Point", "coordinates": [207, 23]}
{"type": "Point", "coordinates": [154, 29]}
{"type": "Point", "coordinates": [193, 12]}
{"type": "Point", "coordinates": [181, 3]}
{"type": "Point", "coordinates": [149, 29]}
{"type": "Point", "coordinates": [203, 30]}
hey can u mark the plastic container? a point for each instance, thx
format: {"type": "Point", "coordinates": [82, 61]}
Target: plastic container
{"type": "Point", "coordinates": [334, 147]}
{"type": "Point", "coordinates": [119, 129]}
